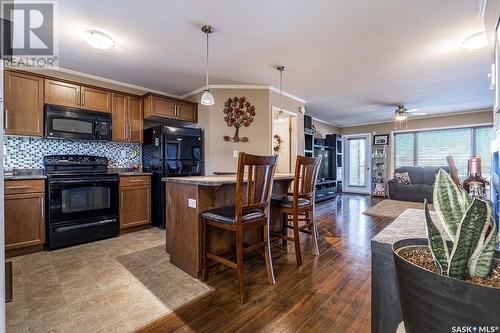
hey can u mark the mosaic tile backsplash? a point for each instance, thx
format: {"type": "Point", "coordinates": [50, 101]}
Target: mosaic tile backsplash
{"type": "Point", "coordinates": [27, 152]}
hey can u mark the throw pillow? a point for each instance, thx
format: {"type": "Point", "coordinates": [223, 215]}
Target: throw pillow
{"type": "Point", "coordinates": [402, 178]}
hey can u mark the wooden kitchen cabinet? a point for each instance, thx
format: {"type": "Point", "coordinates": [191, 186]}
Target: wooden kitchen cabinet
{"type": "Point", "coordinates": [127, 118]}
{"type": "Point", "coordinates": [95, 99]}
{"type": "Point", "coordinates": [161, 107]}
{"type": "Point", "coordinates": [135, 201]}
{"type": "Point", "coordinates": [24, 213]}
{"type": "Point", "coordinates": [136, 119]}
{"type": "Point", "coordinates": [62, 93]}
{"type": "Point", "coordinates": [23, 94]}
{"type": "Point", "coordinates": [77, 96]}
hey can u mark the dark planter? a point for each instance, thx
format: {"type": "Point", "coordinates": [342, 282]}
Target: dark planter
{"type": "Point", "coordinates": [435, 303]}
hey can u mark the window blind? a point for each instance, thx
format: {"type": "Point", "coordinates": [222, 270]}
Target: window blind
{"type": "Point", "coordinates": [425, 148]}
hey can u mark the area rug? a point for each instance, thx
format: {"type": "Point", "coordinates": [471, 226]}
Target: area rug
{"type": "Point", "coordinates": [393, 208]}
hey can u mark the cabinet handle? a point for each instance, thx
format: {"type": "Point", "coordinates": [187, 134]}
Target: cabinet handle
{"type": "Point", "coordinates": [136, 180]}
{"type": "Point", "coordinates": [121, 199]}
{"type": "Point", "coordinates": [16, 187]}
{"type": "Point", "coordinates": [6, 119]}
{"type": "Point", "coordinates": [42, 207]}
{"type": "Point", "coordinates": [176, 110]}
{"type": "Point", "coordinates": [82, 98]}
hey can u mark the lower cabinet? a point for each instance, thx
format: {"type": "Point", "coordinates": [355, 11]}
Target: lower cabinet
{"type": "Point", "coordinates": [135, 201]}
{"type": "Point", "coordinates": [24, 213]}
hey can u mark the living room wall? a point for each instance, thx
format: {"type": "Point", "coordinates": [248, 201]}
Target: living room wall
{"type": "Point", "coordinates": [480, 117]}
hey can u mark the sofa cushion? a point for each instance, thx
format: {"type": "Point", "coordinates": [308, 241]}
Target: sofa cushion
{"type": "Point", "coordinates": [402, 178]}
{"type": "Point", "coordinates": [416, 173]}
{"type": "Point", "coordinates": [430, 173]}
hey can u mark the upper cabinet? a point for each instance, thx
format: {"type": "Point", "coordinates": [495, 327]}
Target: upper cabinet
{"type": "Point", "coordinates": [127, 118]}
{"type": "Point", "coordinates": [62, 93]}
{"type": "Point", "coordinates": [23, 109]}
{"type": "Point", "coordinates": [73, 95]}
{"type": "Point", "coordinates": [95, 99]}
{"type": "Point", "coordinates": [161, 107]}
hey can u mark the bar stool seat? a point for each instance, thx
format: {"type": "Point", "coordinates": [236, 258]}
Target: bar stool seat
{"type": "Point", "coordinates": [286, 201]}
{"type": "Point", "coordinates": [228, 215]}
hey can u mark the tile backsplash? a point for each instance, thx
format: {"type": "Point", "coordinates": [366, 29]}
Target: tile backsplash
{"type": "Point", "coordinates": [22, 152]}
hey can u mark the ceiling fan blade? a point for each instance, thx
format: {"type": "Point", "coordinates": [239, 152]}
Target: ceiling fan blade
{"type": "Point", "coordinates": [419, 113]}
{"type": "Point", "coordinates": [412, 110]}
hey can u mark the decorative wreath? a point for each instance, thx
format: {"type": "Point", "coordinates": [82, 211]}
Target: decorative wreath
{"type": "Point", "coordinates": [277, 143]}
{"type": "Point", "coordinates": [238, 112]}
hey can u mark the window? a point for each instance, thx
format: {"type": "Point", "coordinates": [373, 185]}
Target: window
{"type": "Point", "coordinates": [431, 147]}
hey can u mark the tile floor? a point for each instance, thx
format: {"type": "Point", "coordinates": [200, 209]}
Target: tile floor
{"type": "Point", "coordinates": [114, 285]}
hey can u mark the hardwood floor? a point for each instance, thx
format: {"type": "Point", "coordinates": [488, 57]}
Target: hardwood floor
{"type": "Point", "coordinates": [329, 293]}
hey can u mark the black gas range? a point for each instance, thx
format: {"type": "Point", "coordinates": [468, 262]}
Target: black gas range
{"type": "Point", "coordinates": [83, 200]}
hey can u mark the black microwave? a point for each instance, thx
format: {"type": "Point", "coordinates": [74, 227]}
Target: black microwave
{"type": "Point", "coordinates": [68, 123]}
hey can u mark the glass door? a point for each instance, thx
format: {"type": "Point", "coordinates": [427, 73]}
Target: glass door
{"type": "Point", "coordinates": [357, 163]}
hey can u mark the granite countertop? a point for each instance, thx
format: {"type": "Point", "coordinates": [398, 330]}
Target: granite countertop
{"type": "Point", "coordinates": [217, 180]}
{"type": "Point", "coordinates": [27, 174]}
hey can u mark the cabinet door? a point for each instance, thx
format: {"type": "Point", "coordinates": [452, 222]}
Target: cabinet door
{"type": "Point", "coordinates": [62, 93]}
{"type": "Point", "coordinates": [135, 119]}
{"type": "Point", "coordinates": [119, 115]}
{"type": "Point", "coordinates": [24, 220]}
{"type": "Point", "coordinates": [187, 112]}
{"type": "Point", "coordinates": [23, 104]}
{"type": "Point", "coordinates": [96, 99]}
{"type": "Point", "coordinates": [163, 107]}
{"type": "Point", "coordinates": [135, 206]}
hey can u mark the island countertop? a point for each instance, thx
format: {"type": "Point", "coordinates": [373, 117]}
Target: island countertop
{"type": "Point", "coordinates": [217, 180]}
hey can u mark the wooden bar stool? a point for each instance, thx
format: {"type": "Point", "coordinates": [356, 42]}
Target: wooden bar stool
{"type": "Point", "coordinates": [300, 205]}
{"type": "Point", "coordinates": [251, 210]}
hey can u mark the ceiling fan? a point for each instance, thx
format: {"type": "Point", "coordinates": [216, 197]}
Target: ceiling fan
{"type": "Point", "coordinates": [401, 115]}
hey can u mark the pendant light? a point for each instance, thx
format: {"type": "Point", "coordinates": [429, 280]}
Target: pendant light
{"type": "Point", "coordinates": [207, 98]}
{"type": "Point", "coordinates": [281, 117]}
{"type": "Point", "coordinates": [401, 117]}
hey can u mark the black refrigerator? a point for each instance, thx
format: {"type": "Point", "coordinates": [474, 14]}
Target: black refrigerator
{"type": "Point", "coordinates": [170, 152]}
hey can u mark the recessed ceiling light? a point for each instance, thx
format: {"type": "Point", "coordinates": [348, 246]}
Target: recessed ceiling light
{"type": "Point", "coordinates": [476, 41]}
{"type": "Point", "coordinates": [98, 39]}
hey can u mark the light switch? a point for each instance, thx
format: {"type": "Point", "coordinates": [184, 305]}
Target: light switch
{"type": "Point", "coordinates": [235, 153]}
{"type": "Point", "coordinates": [191, 203]}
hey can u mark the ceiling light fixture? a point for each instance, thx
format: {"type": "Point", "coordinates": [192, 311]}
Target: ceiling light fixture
{"type": "Point", "coordinates": [280, 117]}
{"type": "Point", "coordinates": [401, 117]}
{"type": "Point", "coordinates": [98, 39]}
{"type": "Point", "coordinates": [207, 98]}
{"type": "Point", "coordinates": [476, 41]}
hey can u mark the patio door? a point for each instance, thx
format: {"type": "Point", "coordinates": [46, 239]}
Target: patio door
{"type": "Point", "coordinates": [357, 163]}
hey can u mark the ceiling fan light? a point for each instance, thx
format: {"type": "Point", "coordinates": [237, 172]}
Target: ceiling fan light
{"type": "Point", "coordinates": [207, 98]}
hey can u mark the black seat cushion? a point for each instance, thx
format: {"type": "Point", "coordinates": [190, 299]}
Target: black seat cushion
{"type": "Point", "coordinates": [227, 215]}
{"type": "Point", "coordinates": [286, 201]}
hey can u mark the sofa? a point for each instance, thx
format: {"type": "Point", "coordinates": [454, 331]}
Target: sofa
{"type": "Point", "coordinates": [422, 183]}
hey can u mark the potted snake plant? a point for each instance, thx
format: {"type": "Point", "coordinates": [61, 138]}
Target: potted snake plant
{"type": "Point", "coordinates": [450, 282]}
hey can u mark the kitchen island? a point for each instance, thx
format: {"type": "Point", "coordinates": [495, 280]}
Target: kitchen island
{"type": "Point", "coordinates": [186, 199]}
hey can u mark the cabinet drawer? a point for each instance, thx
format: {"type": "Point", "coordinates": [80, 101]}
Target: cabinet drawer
{"type": "Point", "coordinates": [134, 180]}
{"type": "Point", "coordinates": [24, 186]}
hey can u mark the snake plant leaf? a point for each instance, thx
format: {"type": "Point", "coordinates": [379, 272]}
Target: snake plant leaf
{"type": "Point", "coordinates": [482, 259]}
{"type": "Point", "coordinates": [467, 237]}
{"type": "Point", "coordinates": [437, 244]}
{"type": "Point", "coordinates": [448, 202]}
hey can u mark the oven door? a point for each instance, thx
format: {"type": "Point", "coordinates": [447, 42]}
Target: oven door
{"type": "Point", "coordinates": [72, 199]}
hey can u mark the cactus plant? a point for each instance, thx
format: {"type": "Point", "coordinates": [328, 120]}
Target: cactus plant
{"type": "Point", "coordinates": [468, 224]}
